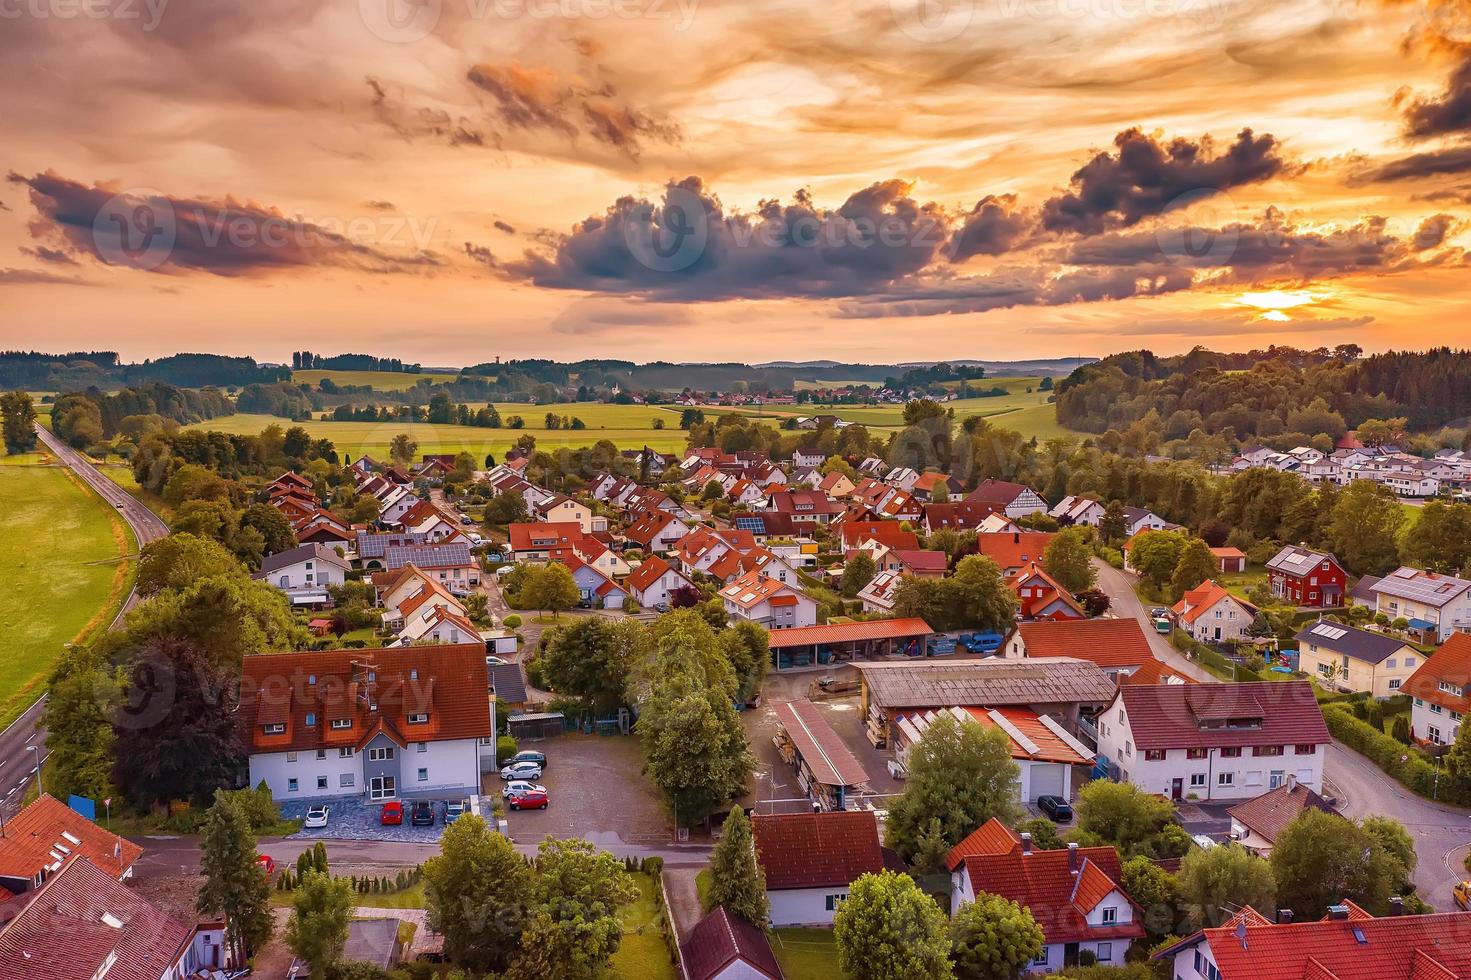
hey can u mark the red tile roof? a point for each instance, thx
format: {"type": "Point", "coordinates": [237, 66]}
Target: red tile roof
{"type": "Point", "coordinates": [445, 681]}
{"type": "Point", "coordinates": [817, 850]}
{"type": "Point", "coordinates": [1060, 896]}
{"type": "Point", "coordinates": [1106, 642]}
{"type": "Point", "coordinates": [959, 515]}
{"type": "Point", "coordinates": [824, 751]}
{"type": "Point", "coordinates": [545, 535]}
{"type": "Point", "coordinates": [649, 572]}
{"type": "Point", "coordinates": [1267, 815]}
{"type": "Point", "coordinates": [891, 533]}
{"type": "Point", "coordinates": [721, 939]}
{"type": "Point", "coordinates": [998, 491]}
{"type": "Point", "coordinates": [991, 837]}
{"type": "Point", "coordinates": [923, 562]}
{"type": "Point", "coordinates": [1172, 716]}
{"type": "Point", "coordinates": [1013, 549]}
{"type": "Point", "coordinates": [648, 527]}
{"type": "Point", "coordinates": [751, 589]}
{"type": "Point", "coordinates": [1451, 665]}
{"type": "Point", "coordinates": [873, 629]}
{"type": "Point", "coordinates": [1201, 598]}
{"type": "Point", "coordinates": [48, 831]}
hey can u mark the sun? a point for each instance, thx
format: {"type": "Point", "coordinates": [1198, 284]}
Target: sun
{"type": "Point", "coordinates": [1273, 304]}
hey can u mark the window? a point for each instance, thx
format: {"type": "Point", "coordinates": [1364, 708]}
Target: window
{"type": "Point", "coordinates": [1154, 755]}
{"type": "Point", "coordinates": [321, 782]}
{"type": "Point", "coordinates": [1196, 753]}
{"type": "Point", "coordinates": [1105, 952]}
{"type": "Point", "coordinates": [1409, 661]}
{"type": "Point", "coordinates": [422, 747]}
{"type": "Point", "coordinates": [311, 720]}
{"type": "Point", "coordinates": [1226, 779]}
{"type": "Point", "coordinates": [1390, 664]}
{"type": "Point", "coordinates": [341, 723]}
{"type": "Point", "coordinates": [1266, 750]}
{"type": "Point", "coordinates": [1304, 749]}
{"type": "Point", "coordinates": [345, 752]}
{"type": "Point", "coordinates": [275, 729]}
{"type": "Point", "coordinates": [1419, 703]}
{"type": "Point", "coordinates": [1197, 779]}
{"type": "Point", "coordinates": [1041, 959]}
{"type": "Point", "coordinates": [833, 901]}
{"type": "Point", "coordinates": [1110, 916]}
{"type": "Point", "coordinates": [1231, 752]}
{"type": "Point", "coordinates": [1128, 747]}
{"type": "Point", "coordinates": [311, 678]}
{"type": "Point", "coordinates": [290, 756]}
{"type": "Point", "coordinates": [321, 754]}
{"type": "Point", "coordinates": [291, 786]}
{"type": "Point", "coordinates": [346, 780]}
{"type": "Point", "coordinates": [1436, 709]}
{"type": "Point", "coordinates": [1433, 734]}
{"type": "Point", "coordinates": [419, 718]}
{"type": "Point", "coordinates": [1394, 684]}
{"type": "Point", "coordinates": [380, 754]}
{"type": "Point", "coordinates": [423, 775]}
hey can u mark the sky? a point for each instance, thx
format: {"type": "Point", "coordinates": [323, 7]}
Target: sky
{"type": "Point", "coordinates": [447, 181]}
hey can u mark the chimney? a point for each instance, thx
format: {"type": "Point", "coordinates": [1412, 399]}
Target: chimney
{"type": "Point", "coordinates": [1026, 843]}
{"type": "Point", "coordinates": [1338, 913]}
{"type": "Point", "coordinates": [1396, 905]}
{"type": "Point", "coordinates": [1284, 917]}
{"type": "Point", "coordinates": [1072, 858]}
{"type": "Point", "coordinates": [1016, 537]}
{"type": "Point", "coordinates": [1291, 783]}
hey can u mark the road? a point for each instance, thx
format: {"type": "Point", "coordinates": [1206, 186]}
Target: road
{"type": "Point", "coordinates": [23, 744]}
{"type": "Point", "coordinates": [1442, 833]}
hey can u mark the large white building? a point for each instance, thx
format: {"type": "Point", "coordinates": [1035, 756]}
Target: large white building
{"type": "Point", "coordinates": [1214, 741]}
{"type": "Point", "coordinates": [378, 724]}
{"type": "Point", "coordinates": [1436, 605]}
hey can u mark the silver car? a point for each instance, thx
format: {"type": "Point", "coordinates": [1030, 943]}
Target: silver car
{"type": "Point", "coordinates": [519, 787]}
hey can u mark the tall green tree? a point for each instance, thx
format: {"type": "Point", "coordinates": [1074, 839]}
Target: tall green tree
{"type": "Point", "coordinates": [549, 587]}
{"type": "Point", "coordinates": [403, 447]}
{"type": "Point", "coordinates": [1440, 538]}
{"type": "Point", "coordinates": [960, 774]}
{"type": "Point", "coordinates": [475, 892]}
{"type": "Point", "coordinates": [1196, 564]}
{"type": "Point", "coordinates": [1069, 559]}
{"type": "Point", "coordinates": [1155, 554]}
{"type": "Point", "coordinates": [1156, 892]}
{"type": "Point", "coordinates": [1365, 528]}
{"type": "Point", "coordinates": [179, 560]}
{"type": "Point", "coordinates": [1122, 814]}
{"type": "Point", "coordinates": [993, 938]}
{"type": "Point", "coordinates": [235, 884]}
{"type": "Point", "coordinates": [747, 647]}
{"type": "Point", "coordinates": [275, 529]}
{"type": "Point", "coordinates": [320, 912]}
{"type": "Point", "coordinates": [736, 879]}
{"type": "Point", "coordinates": [1113, 527]}
{"type": "Point", "coordinates": [888, 928]}
{"type": "Point", "coordinates": [589, 659]}
{"type": "Point", "coordinates": [857, 573]}
{"type": "Point", "coordinates": [573, 926]}
{"type": "Point", "coordinates": [1320, 859]}
{"type": "Point", "coordinates": [81, 697]}
{"type": "Point", "coordinates": [18, 421]}
{"type": "Point", "coordinates": [1216, 880]}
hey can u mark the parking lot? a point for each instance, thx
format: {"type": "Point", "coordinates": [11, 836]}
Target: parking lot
{"type": "Point", "coordinates": [597, 791]}
{"type": "Point", "coordinates": [355, 818]}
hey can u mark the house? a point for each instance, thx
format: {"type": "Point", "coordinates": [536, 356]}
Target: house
{"type": "Point", "coordinates": [304, 572]}
{"type": "Point", "coordinates": [1138, 519]}
{"type": "Point", "coordinates": [804, 460]}
{"type": "Point", "coordinates": [323, 527]}
{"type": "Point", "coordinates": [1346, 944]}
{"type": "Point", "coordinates": [1011, 499]}
{"type": "Point", "coordinates": [1307, 578]}
{"type": "Point", "coordinates": [898, 505]}
{"type": "Point", "coordinates": [963, 515]}
{"type": "Point", "coordinates": [541, 542]}
{"type": "Point", "coordinates": [1214, 741]}
{"type": "Point", "coordinates": [1045, 752]}
{"type": "Point", "coordinates": [376, 724]}
{"type": "Point", "coordinates": [1257, 822]}
{"type": "Point", "coordinates": [1438, 688]}
{"type": "Point", "coordinates": [810, 859]}
{"type": "Point", "coordinates": [449, 562]}
{"type": "Point", "coordinates": [416, 595]}
{"type": "Point", "coordinates": [901, 477]}
{"type": "Point", "coordinates": [656, 530]}
{"type": "Point", "coordinates": [1212, 615]}
{"type": "Point", "coordinates": [508, 683]}
{"type": "Point", "coordinates": [593, 586]}
{"type": "Point", "coordinates": [1435, 605]}
{"type": "Point", "coordinates": [652, 582]}
{"type": "Point", "coordinates": [926, 487]}
{"type": "Point", "coordinates": [561, 509]}
{"type": "Point", "coordinates": [722, 946]}
{"type": "Point", "coordinates": [879, 594]}
{"type": "Point", "coordinates": [1014, 551]}
{"type": "Point", "coordinates": [439, 624]}
{"type": "Point", "coordinates": [1078, 510]}
{"type": "Point", "coordinates": [1040, 597]}
{"type": "Point", "coordinates": [768, 602]}
{"type": "Point", "coordinates": [1352, 659]}
{"type": "Point", "coordinates": [803, 506]}
{"type": "Point", "coordinates": [733, 564]}
{"type": "Point", "coordinates": [703, 547]}
{"type": "Point", "coordinates": [914, 561]}
{"type": "Point", "coordinates": [1073, 893]}
{"type": "Point", "coordinates": [40, 838]}
{"type": "Point", "coordinates": [83, 924]}
{"type": "Point", "coordinates": [1118, 646]}
{"type": "Point", "coordinates": [1229, 560]}
{"type": "Point", "coordinates": [425, 519]}
{"type": "Point", "coordinates": [836, 485]}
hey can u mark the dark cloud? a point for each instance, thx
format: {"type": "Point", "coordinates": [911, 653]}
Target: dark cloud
{"type": "Point", "coordinates": [1432, 163]}
{"type": "Point", "coordinates": [54, 256]}
{"type": "Point", "coordinates": [505, 227]}
{"type": "Point", "coordinates": [686, 248]}
{"type": "Point", "coordinates": [157, 232]}
{"type": "Point", "coordinates": [1144, 177]}
{"type": "Point", "coordinates": [1448, 113]}
{"type": "Point", "coordinates": [994, 226]}
{"type": "Point", "coordinates": [36, 277]}
{"type": "Point", "coordinates": [481, 254]}
{"type": "Point", "coordinates": [379, 205]}
{"type": "Point", "coordinates": [423, 122]}
{"type": "Point", "coordinates": [1433, 231]}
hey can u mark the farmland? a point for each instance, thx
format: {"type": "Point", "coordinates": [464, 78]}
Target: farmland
{"type": "Point", "coordinates": [382, 380]}
{"type": "Point", "coordinates": [65, 583]}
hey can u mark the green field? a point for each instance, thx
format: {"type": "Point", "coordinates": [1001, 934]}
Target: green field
{"type": "Point", "coordinates": [382, 380]}
{"type": "Point", "coordinates": [806, 954]}
{"type": "Point", "coordinates": [643, 953]}
{"type": "Point", "coordinates": [64, 578]}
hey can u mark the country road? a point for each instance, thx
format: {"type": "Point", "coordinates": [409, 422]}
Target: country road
{"type": "Point", "coordinates": [1442, 833]}
{"type": "Point", "coordinates": [23, 744]}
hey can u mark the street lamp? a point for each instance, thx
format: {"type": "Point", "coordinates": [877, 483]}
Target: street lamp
{"type": "Point", "coordinates": [40, 787]}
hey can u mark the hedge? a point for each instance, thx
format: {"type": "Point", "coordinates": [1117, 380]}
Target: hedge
{"type": "Point", "coordinates": [1406, 765]}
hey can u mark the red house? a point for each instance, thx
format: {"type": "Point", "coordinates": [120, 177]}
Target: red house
{"type": "Point", "coordinates": [1307, 578]}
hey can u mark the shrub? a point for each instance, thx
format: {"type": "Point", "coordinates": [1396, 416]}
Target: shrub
{"type": "Point", "coordinates": [512, 622]}
{"type": "Point", "coordinates": [1408, 766]}
{"type": "Point", "coordinates": [505, 747]}
{"type": "Point", "coordinates": [533, 674]}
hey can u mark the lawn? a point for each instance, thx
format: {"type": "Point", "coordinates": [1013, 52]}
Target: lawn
{"type": "Point", "coordinates": [806, 954]}
{"type": "Point", "coordinates": [382, 380]}
{"type": "Point", "coordinates": [643, 954]}
{"type": "Point", "coordinates": [65, 579]}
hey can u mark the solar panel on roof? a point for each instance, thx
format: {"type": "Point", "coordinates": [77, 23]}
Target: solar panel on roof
{"type": "Point", "coordinates": [1331, 632]}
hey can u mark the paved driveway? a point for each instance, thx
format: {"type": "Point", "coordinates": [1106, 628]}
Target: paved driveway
{"type": "Point", "coordinates": [1124, 603]}
{"type": "Point", "coordinates": [354, 818]}
{"type": "Point", "coordinates": [597, 791]}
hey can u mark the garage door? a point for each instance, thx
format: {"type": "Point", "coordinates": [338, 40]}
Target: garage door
{"type": "Point", "coordinates": [1046, 779]}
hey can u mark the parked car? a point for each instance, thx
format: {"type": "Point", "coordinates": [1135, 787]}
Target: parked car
{"type": "Point", "coordinates": [494, 661]}
{"type": "Point", "coordinates": [392, 814]}
{"type": "Point", "coordinates": [520, 787]}
{"type": "Point", "coordinates": [1462, 894]}
{"type": "Point", "coordinates": [521, 770]}
{"type": "Point", "coordinates": [455, 809]}
{"type": "Point", "coordinates": [1055, 807]}
{"type": "Point", "coordinates": [267, 864]}
{"type": "Point", "coordinates": [1163, 625]}
{"type": "Point", "coordinates": [421, 813]}
{"type": "Point", "coordinates": [317, 816]}
{"type": "Point", "coordinates": [530, 755]}
{"type": "Point", "coordinates": [535, 800]}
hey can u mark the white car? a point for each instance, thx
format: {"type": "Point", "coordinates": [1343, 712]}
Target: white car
{"type": "Point", "coordinates": [521, 770]}
{"type": "Point", "coordinates": [519, 787]}
{"type": "Point", "coordinates": [317, 816]}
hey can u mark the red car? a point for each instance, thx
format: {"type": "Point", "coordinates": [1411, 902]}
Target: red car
{"type": "Point", "coordinates": [531, 800]}
{"type": "Point", "coordinates": [266, 864]}
{"type": "Point", "coordinates": [393, 814]}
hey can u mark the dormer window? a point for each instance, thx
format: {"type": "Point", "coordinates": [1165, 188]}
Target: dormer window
{"type": "Point", "coordinates": [341, 723]}
{"type": "Point", "coordinates": [311, 720]}
{"type": "Point", "coordinates": [413, 675]}
{"type": "Point", "coordinates": [419, 718]}
{"type": "Point", "coordinates": [311, 679]}
{"type": "Point", "coordinates": [274, 729]}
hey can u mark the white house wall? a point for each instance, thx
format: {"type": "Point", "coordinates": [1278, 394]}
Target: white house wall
{"type": "Point", "coordinates": [803, 906]}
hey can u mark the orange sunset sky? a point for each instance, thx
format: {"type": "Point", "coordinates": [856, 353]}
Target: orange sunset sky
{"type": "Point", "coordinates": [450, 180]}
